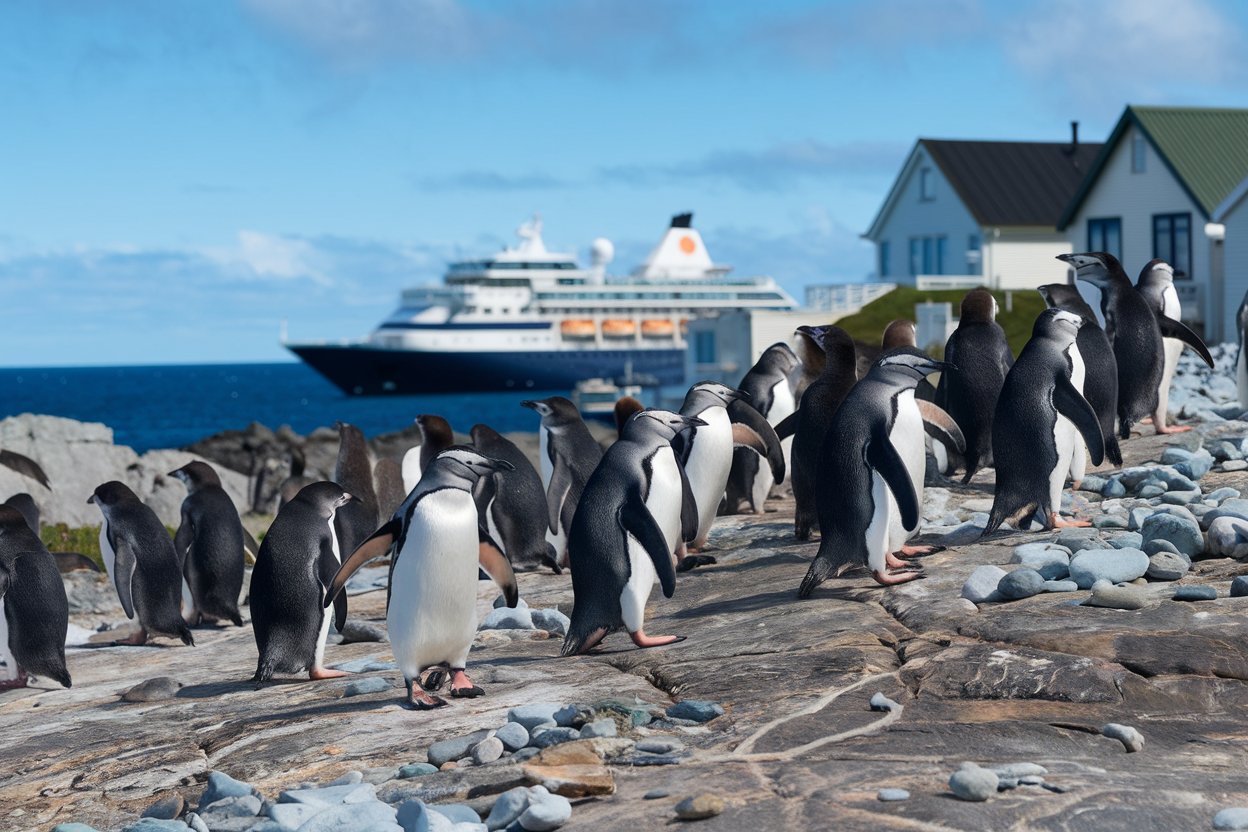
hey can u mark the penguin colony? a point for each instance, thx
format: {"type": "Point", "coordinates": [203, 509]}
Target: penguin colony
{"type": "Point", "coordinates": [640, 512]}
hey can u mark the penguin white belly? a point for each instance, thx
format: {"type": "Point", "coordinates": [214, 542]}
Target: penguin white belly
{"type": "Point", "coordinates": [1241, 376]}
{"type": "Point", "coordinates": [555, 538]}
{"type": "Point", "coordinates": [782, 406]}
{"type": "Point", "coordinates": [907, 436]}
{"type": "Point", "coordinates": [1066, 436]}
{"type": "Point", "coordinates": [710, 461]}
{"type": "Point", "coordinates": [107, 553]}
{"type": "Point", "coordinates": [1173, 348]}
{"type": "Point", "coordinates": [877, 533]}
{"type": "Point", "coordinates": [188, 602]}
{"type": "Point", "coordinates": [1079, 455]}
{"type": "Point", "coordinates": [327, 615]}
{"type": "Point", "coordinates": [663, 502]}
{"type": "Point", "coordinates": [9, 671]}
{"type": "Point", "coordinates": [433, 593]}
{"type": "Point", "coordinates": [492, 527]}
{"type": "Point", "coordinates": [636, 591]}
{"type": "Point", "coordinates": [411, 469]}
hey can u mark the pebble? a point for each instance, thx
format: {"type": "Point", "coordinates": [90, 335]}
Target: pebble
{"type": "Point", "coordinates": [1181, 498]}
{"type": "Point", "coordinates": [1184, 534]}
{"type": "Point", "coordinates": [1136, 518]}
{"type": "Point", "coordinates": [1115, 565]}
{"type": "Point", "coordinates": [221, 786]}
{"type": "Point", "coordinates": [1050, 560]}
{"type": "Point", "coordinates": [973, 783]}
{"type": "Point", "coordinates": [416, 770]}
{"type": "Point", "coordinates": [551, 620]}
{"type": "Point", "coordinates": [359, 687]}
{"type": "Point", "coordinates": [1115, 597]}
{"type": "Point", "coordinates": [501, 601]}
{"type": "Point", "coordinates": [513, 736]}
{"type": "Point", "coordinates": [1075, 540]}
{"type": "Point", "coordinates": [507, 618]}
{"type": "Point", "coordinates": [599, 728]}
{"type": "Point", "coordinates": [534, 716]}
{"type": "Point", "coordinates": [154, 825]}
{"type": "Point", "coordinates": [456, 812]}
{"type": "Point", "coordinates": [1232, 465]}
{"type": "Point", "coordinates": [880, 702]}
{"type": "Point", "coordinates": [660, 745]}
{"type": "Point", "coordinates": [356, 631]}
{"type": "Point", "coordinates": [1092, 484]}
{"type": "Point", "coordinates": [1130, 738]}
{"type": "Point", "coordinates": [697, 710]}
{"type": "Point", "coordinates": [1167, 566]}
{"type": "Point", "coordinates": [342, 818]}
{"type": "Point", "coordinates": [1233, 818]}
{"type": "Point", "coordinates": [1031, 780]}
{"type": "Point", "coordinates": [1021, 583]}
{"type": "Point", "coordinates": [1173, 455]}
{"type": "Point", "coordinates": [1152, 547]}
{"type": "Point", "coordinates": [546, 737]}
{"type": "Point", "coordinates": [525, 754]}
{"type": "Point", "coordinates": [1221, 494]}
{"type": "Point", "coordinates": [330, 795]}
{"type": "Point", "coordinates": [1060, 586]}
{"type": "Point", "coordinates": [1239, 587]}
{"type": "Point", "coordinates": [1151, 490]}
{"type": "Point", "coordinates": [656, 794]}
{"type": "Point", "coordinates": [508, 808]}
{"type": "Point", "coordinates": [166, 808]}
{"type": "Point", "coordinates": [981, 586]}
{"type": "Point", "coordinates": [487, 751]}
{"type": "Point", "coordinates": [968, 532]}
{"type": "Point", "coordinates": [546, 811]}
{"type": "Point", "coordinates": [1127, 540]}
{"type": "Point", "coordinates": [1195, 593]}
{"type": "Point", "coordinates": [455, 748]}
{"type": "Point", "coordinates": [892, 795]}
{"type": "Point", "coordinates": [1228, 537]}
{"type": "Point", "coordinates": [153, 690]}
{"type": "Point", "coordinates": [700, 807]}
{"type": "Point", "coordinates": [1018, 771]}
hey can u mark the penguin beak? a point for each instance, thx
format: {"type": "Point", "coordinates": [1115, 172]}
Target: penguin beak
{"type": "Point", "coordinates": [530, 404]}
{"type": "Point", "coordinates": [1080, 261]}
{"type": "Point", "coordinates": [91, 499]}
{"type": "Point", "coordinates": [692, 422]}
{"type": "Point", "coordinates": [942, 366]}
{"type": "Point", "coordinates": [497, 465]}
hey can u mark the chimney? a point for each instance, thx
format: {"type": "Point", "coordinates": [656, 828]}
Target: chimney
{"type": "Point", "coordinates": [1074, 134]}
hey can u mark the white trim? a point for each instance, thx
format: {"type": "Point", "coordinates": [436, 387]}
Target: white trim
{"type": "Point", "coordinates": [1228, 204]}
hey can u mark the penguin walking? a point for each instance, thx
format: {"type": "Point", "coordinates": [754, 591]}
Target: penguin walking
{"type": "Point", "coordinates": [569, 454]}
{"type": "Point", "coordinates": [357, 519]}
{"type": "Point", "coordinates": [431, 610]}
{"type": "Point", "coordinates": [1041, 416]}
{"type": "Point", "coordinates": [981, 355]}
{"type": "Point", "coordinates": [435, 437]}
{"type": "Point", "coordinates": [870, 488]}
{"type": "Point", "coordinates": [32, 603]}
{"type": "Point", "coordinates": [142, 562]}
{"type": "Point", "coordinates": [512, 502]}
{"type": "Point", "coordinates": [771, 386]}
{"type": "Point", "coordinates": [210, 542]}
{"type": "Point", "coordinates": [1100, 383]}
{"type": "Point", "coordinates": [297, 561]}
{"type": "Point", "coordinates": [1156, 284]}
{"type": "Point", "coordinates": [633, 515]}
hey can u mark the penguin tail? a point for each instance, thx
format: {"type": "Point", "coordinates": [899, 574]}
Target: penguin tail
{"type": "Point", "coordinates": [1112, 452]}
{"type": "Point", "coordinates": [824, 566]}
{"type": "Point", "coordinates": [62, 676]}
{"type": "Point", "coordinates": [264, 672]}
{"type": "Point", "coordinates": [237, 619]}
{"type": "Point", "coordinates": [184, 633]}
{"type": "Point", "coordinates": [998, 516]}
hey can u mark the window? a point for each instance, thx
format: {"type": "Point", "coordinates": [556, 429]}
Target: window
{"type": "Point", "coordinates": [916, 255]}
{"type": "Point", "coordinates": [927, 255]}
{"type": "Point", "coordinates": [704, 347]}
{"type": "Point", "coordinates": [1172, 242]}
{"type": "Point", "coordinates": [1138, 152]}
{"type": "Point", "coordinates": [884, 252]}
{"type": "Point", "coordinates": [926, 193]}
{"type": "Point", "coordinates": [974, 256]}
{"type": "Point", "coordinates": [1105, 234]}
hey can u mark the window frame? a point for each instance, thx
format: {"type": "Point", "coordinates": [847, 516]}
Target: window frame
{"type": "Point", "coordinates": [885, 254]}
{"type": "Point", "coordinates": [1168, 256]}
{"type": "Point", "coordinates": [1139, 153]}
{"type": "Point", "coordinates": [1101, 224]}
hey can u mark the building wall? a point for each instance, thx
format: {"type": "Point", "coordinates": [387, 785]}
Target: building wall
{"type": "Point", "coordinates": [1024, 258]}
{"type": "Point", "coordinates": [738, 339]}
{"type": "Point", "coordinates": [1235, 261]}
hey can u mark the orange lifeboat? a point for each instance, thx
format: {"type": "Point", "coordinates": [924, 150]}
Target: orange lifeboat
{"type": "Point", "coordinates": [657, 328]}
{"type": "Point", "coordinates": [684, 326]}
{"type": "Point", "coordinates": [577, 329]}
{"type": "Point", "coordinates": [618, 328]}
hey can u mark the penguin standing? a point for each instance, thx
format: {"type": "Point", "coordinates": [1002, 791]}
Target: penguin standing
{"type": "Point", "coordinates": [769, 384]}
{"type": "Point", "coordinates": [1241, 363]}
{"type": "Point", "coordinates": [388, 481]}
{"type": "Point", "coordinates": [1041, 416]}
{"type": "Point", "coordinates": [297, 561]}
{"type": "Point", "coordinates": [814, 418]}
{"type": "Point", "coordinates": [981, 355]}
{"type": "Point", "coordinates": [210, 543]}
{"type": "Point", "coordinates": [32, 603]}
{"type": "Point", "coordinates": [903, 333]}
{"type": "Point", "coordinates": [568, 453]}
{"type": "Point", "coordinates": [871, 467]}
{"type": "Point", "coordinates": [431, 610]}
{"type": "Point", "coordinates": [1156, 284]}
{"type": "Point", "coordinates": [632, 517]}
{"type": "Point", "coordinates": [1100, 383]}
{"type": "Point", "coordinates": [142, 562]}
{"type": "Point", "coordinates": [354, 473]}
{"type": "Point", "coordinates": [512, 502]}
{"type": "Point", "coordinates": [435, 437]}
{"type": "Point", "coordinates": [28, 508]}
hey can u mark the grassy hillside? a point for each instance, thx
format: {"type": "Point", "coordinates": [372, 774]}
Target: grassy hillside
{"type": "Point", "coordinates": [868, 324]}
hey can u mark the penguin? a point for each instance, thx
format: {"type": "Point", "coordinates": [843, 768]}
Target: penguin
{"type": "Point", "coordinates": [388, 482]}
{"type": "Point", "coordinates": [1241, 363]}
{"type": "Point", "coordinates": [142, 562]}
{"type": "Point", "coordinates": [354, 473]}
{"type": "Point", "coordinates": [871, 465]}
{"type": "Point", "coordinates": [1040, 418]}
{"type": "Point", "coordinates": [903, 333]}
{"type": "Point", "coordinates": [33, 605]}
{"type": "Point", "coordinates": [624, 409]}
{"type": "Point", "coordinates": [293, 484]}
{"type": "Point", "coordinates": [769, 384]}
{"type": "Point", "coordinates": [568, 453]}
{"type": "Point", "coordinates": [981, 354]}
{"type": "Point", "coordinates": [1100, 382]}
{"type": "Point", "coordinates": [297, 562]}
{"type": "Point", "coordinates": [65, 561]}
{"type": "Point", "coordinates": [28, 508]}
{"type": "Point", "coordinates": [512, 503]}
{"type": "Point", "coordinates": [1135, 333]}
{"type": "Point", "coordinates": [25, 466]}
{"type": "Point", "coordinates": [633, 515]}
{"type": "Point", "coordinates": [813, 419]}
{"type": "Point", "coordinates": [1156, 284]}
{"type": "Point", "coordinates": [435, 437]}
{"type": "Point", "coordinates": [706, 452]}
{"type": "Point", "coordinates": [210, 543]}
{"type": "Point", "coordinates": [431, 610]}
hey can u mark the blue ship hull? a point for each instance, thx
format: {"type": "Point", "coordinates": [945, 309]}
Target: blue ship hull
{"type": "Point", "coordinates": [362, 370]}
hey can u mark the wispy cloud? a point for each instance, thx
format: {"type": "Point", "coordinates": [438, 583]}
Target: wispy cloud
{"type": "Point", "coordinates": [488, 180]}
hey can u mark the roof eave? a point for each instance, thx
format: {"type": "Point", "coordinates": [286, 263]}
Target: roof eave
{"type": "Point", "coordinates": [1227, 205]}
{"type": "Point", "coordinates": [894, 194]}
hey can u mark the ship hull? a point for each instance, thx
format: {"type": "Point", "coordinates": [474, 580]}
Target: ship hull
{"type": "Point", "coordinates": [362, 370]}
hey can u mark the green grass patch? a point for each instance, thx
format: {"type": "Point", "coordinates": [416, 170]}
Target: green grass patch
{"type": "Point", "coordinates": [85, 541]}
{"type": "Point", "coordinates": [867, 325]}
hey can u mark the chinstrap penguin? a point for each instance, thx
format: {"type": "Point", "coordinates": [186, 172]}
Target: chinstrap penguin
{"type": "Point", "coordinates": [32, 603]}
{"type": "Point", "coordinates": [568, 453]}
{"type": "Point", "coordinates": [210, 542]}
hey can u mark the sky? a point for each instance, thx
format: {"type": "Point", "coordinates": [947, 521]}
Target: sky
{"type": "Point", "coordinates": [178, 178]}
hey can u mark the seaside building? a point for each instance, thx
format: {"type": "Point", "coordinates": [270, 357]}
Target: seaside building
{"type": "Point", "coordinates": [1231, 216]}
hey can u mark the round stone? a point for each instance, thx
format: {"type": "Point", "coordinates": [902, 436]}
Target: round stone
{"type": "Point", "coordinates": [487, 751]}
{"type": "Point", "coordinates": [1115, 597]}
{"type": "Point", "coordinates": [655, 794]}
{"type": "Point", "coordinates": [973, 783]}
{"type": "Point", "coordinates": [981, 586]}
{"type": "Point", "coordinates": [700, 807]}
{"type": "Point", "coordinates": [513, 736]}
{"type": "Point", "coordinates": [1233, 818]}
{"type": "Point", "coordinates": [892, 795]}
{"type": "Point", "coordinates": [1131, 739]}
{"type": "Point", "coordinates": [1167, 566]}
{"type": "Point", "coordinates": [1115, 565]}
{"type": "Point", "coordinates": [1195, 593]}
{"type": "Point", "coordinates": [1021, 583]}
{"type": "Point", "coordinates": [1239, 587]}
{"type": "Point", "coordinates": [1228, 537]}
{"type": "Point", "coordinates": [1183, 533]}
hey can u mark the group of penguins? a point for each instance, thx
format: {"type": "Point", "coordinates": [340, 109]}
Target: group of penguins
{"type": "Point", "coordinates": [641, 510]}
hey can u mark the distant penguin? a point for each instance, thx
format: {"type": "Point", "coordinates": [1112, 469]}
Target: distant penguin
{"type": "Point", "coordinates": [814, 418]}
{"type": "Point", "coordinates": [512, 502]}
{"type": "Point", "coordinates": [568, 453]}
{"type": "Point", "coordinates": [354, 472]}
{"type": "Point", "coordinates": [25, 466]}
{"type": "Point", "coordinates": [633, 514]}
{"type": "Point", "coordinates": [1100, 383]}
{"type": "Point", "coordinates": [32, 603]}
{"type": "Point", "coordinates": [1156, 284]}
{"type": "Point", "coordinates": [297, 561]}
{"type": "Point", "coordinates": [431, 611]}
{"type": "Point", "coordinates": [210, 545]}
{"type": "Point", "coordinates": [28, 508]}
{"type": "Point", "coordinates": [871, 466]}
{"type": "Point", "coordinates": [1241, 363]}
{"type": "Point", "coordinates": [979, 351]}
{"type": "Point", "coordinates": [388, 482]}
{"type": "Point", "coordinates": [435, 437]}
{"type": "Point", "coordinates": [1135, 332]}
{"type": "Point", "coordinates": [624, 409]}
{"type": "Point", "coordinates": [769, 384]}
{"type": "Point", "coordinates": [65, 561]}
{"type": "Point", "coordinates": [903, 333]}
{"type": "Point", "coordinates": [293, 484]}
{"type": "Point", "coordinates": [142, 562]}
{"type": "Point", "coordinates": [1041, 416]}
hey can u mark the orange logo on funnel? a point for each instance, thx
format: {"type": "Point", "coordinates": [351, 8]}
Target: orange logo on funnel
{"type": "Point", "coordinates": [687, 245]}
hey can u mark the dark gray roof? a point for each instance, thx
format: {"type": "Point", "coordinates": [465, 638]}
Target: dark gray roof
{"type": "Point", "coordinates": [1014, 183]}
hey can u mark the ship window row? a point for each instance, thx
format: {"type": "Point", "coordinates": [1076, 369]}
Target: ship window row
{"type": "Point", "coordinates": [482, 265]}
{"type": "Point", "coordinates": [565, 296]}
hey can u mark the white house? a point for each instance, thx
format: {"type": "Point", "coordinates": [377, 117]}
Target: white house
{"type": "Point", "coordinates": [1152, 192]}
{"type": "Point", "coordinates": [983, 212]}
{"type": "Point", "coordinates": [1232, 216]}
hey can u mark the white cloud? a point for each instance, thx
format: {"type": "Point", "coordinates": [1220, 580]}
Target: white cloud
{"type": "Point", "coordinates": [269, 255]}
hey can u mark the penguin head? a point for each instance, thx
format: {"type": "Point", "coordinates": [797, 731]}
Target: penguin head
{"type": "Point", "coordinates": [1096, 267]}
{"type": "Point", "coordinates": [899, 333]}
{"type": "Point", "coordinates": [665, 423]}
{"type": "Point", "coordinates": [1156, 271]}
{"type": "Point", "coordinates": [1065, 296]}
{"type": "Point", "coordinates": [911, 362]}
{"type": "Point", "coordinates": [721, 392]}
{"type": "Point", "coordinates": [779, 357]}
{"type": "Point", "coordinates": [1057, 323]}
{"type": "Point", "coordinates": [111, 493]}
{"type": "Point", "coordinates": [434, 428]}
{"type": "Point", "coordinates": [467, 463]}
{"type": "Point", "coordinates": [196, 474]}
{"type": "Point", "coordinates": [327, 497]}
{"type": "Point", "coordinates": [11, 520]}
{"type": "Point", "coordinates": [979, 305]}
{"type": "Point", "coordinates": [555, 410]}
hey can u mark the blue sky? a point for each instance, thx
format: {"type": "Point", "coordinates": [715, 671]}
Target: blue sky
{"type": "Point", "coordinates": [177, 177]}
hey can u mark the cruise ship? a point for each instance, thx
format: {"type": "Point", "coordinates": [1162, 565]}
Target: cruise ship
{"type": "Point", "coordinates": [532, 319]}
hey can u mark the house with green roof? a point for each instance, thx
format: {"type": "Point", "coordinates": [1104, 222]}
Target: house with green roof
{"type": "Point", "coordinates": [1153, 191]}
{"type": "Point", "coordinates": [1232, 215]}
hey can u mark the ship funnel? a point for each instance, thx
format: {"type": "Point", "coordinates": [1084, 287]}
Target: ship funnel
{"type": "Point", "coordinates": [601, 252]}
{"type": "Point", "coordinates": [680, 255]}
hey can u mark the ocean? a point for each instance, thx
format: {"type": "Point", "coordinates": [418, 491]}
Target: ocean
{"type": "Point", "coordinates": [173, 406]}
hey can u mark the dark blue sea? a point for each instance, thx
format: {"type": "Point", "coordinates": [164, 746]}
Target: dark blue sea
{"type": "Point", "coordinates": [173, 406]}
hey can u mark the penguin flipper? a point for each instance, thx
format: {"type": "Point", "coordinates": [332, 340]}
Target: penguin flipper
{"type": "Point", "coordinates": [183, 537]}
{"type": "Point", "coordinates": [634, 518]}
{"type": "Point", "coordinates": [557, 492]}
{"type": "Point", "coordinates": [326, 572]}
{"type": "Point", "coordinates": [745, 414]}
{"type": "Point", "coordinates": [1170, 328]}
{"type": "Point", "coordinates": [1071, 404]}
{"type": "Point", "coordinates": [786, 428]}
{"type": "Point", "coordinates": [940, 425]}
{"type": "Point", "coordinates": [376, 546]}
{"type": "Point", "coordinates": [124, 564]}
{"type": "Point", "coordinates": [494, 563]}
{"type": "Point", "coordinates": [688, 508]}
{"type": "Point", "coordinates": [25, 466]}
{"type": "Point", "coordinates": [883, 457]}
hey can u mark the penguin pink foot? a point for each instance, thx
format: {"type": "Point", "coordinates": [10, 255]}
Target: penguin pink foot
{"type": "Point", "coordinates": [1056, 522]}
{"type": "Point", "coordinates": [891, 561]}
{"type": "Point", "coordinates": [901, 576]}
{"type": "Point", "coordinates": [462, 687]}
{"type": "Point", "coordinates": [317, 674]}
{"type": "Point", "coordinates": [422, 701]}
{"type": "Point", "coordinates": [1164, 429]}
{"type": "Point", "coordinates": [643, 640]}
{"type": "Point", "coordinates": [919, 551]}
{"type": "Point", "coordinates": [13, 684]}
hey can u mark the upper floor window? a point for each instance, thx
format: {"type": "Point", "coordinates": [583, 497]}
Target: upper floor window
{"type": "Point", "coordinates": [926, 189]}
{"type": "Point", "coordinates": [1138, 152]}
{"type": "Point", "coordinates": [1105, 234]}
{"type": "Point", "coordinates": [885, 251]}
{"type": "Point", "coordinates": [1172, 242]}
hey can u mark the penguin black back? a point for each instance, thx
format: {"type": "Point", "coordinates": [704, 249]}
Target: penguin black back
{"type": "Point", "coordinates": [981, 357]}
{"type": "Point", "coordinates": [517, 512]}
{"type": "Point", "coordinates": [354, 473]}
{"type": "Point", "coordinates": [33, 599]}
{"type": "Point", "coordinates": [210, 543]}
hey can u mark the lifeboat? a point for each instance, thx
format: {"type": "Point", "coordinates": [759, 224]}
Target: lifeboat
{"type": "Point", "coordinates": [657, 328]}
{"type": "Point", "coordinates": [577, 329]}
{"type": "Point", "coordinates": [684, 326]}
{"type": "Point", "coordinates": [618, 328]}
